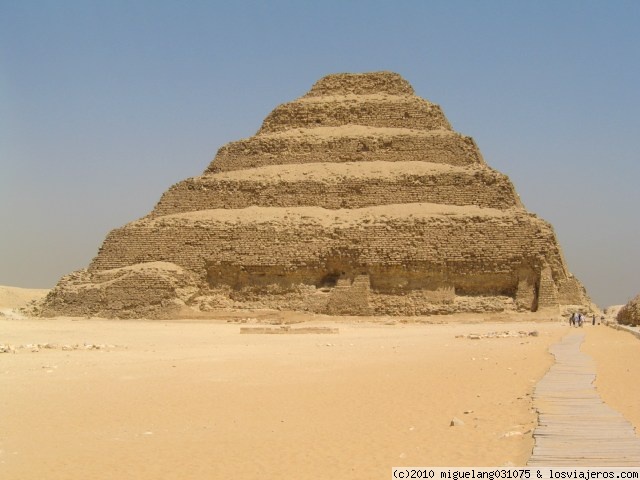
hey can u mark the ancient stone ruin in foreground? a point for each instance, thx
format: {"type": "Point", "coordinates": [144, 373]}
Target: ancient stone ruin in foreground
{"type": "Point", "coordinates": [356, 199]}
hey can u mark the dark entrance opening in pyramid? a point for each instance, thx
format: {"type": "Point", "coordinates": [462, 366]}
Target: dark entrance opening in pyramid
{"type": "Point", "coordinates": [330, 279]}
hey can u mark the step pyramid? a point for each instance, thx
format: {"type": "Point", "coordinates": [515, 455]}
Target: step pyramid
{"type": "Point", "coordinates": [357, 198]}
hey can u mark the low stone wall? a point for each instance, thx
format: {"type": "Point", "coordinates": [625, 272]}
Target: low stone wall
{"type": "Point", "coordinates": [624, 328]}
{"type": "Point", "coordinates": [152, 290]}
{"type": "Point", "coordinates": [350, 298]}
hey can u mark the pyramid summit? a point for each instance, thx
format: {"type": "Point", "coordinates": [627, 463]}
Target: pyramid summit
{"type": "Point", "coordinates": [357, 198]}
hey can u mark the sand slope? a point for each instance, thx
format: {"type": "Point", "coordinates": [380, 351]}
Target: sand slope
{"type": "Point", "coordinates": [14, 297]}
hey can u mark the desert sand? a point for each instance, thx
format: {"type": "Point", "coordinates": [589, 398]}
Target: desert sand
{"type": "Point", "coordinates": [197, 399]}
{"type": "Point", "coordinates": [617, 356]}
{"type": "Point", "coordinates": [13, 297]}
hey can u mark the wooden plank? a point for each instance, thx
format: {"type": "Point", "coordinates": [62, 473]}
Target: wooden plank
{"type": "Point", "coordinates": [575, 427]}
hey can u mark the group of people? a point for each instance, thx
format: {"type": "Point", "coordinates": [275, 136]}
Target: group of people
{"type": "Point", "coordinates": [577, 319]}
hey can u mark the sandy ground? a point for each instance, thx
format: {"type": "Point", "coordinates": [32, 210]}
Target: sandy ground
{"type": "Point", "coordinates": [197, 399]}
{"type": "Point", "coordinates": [617, 356]}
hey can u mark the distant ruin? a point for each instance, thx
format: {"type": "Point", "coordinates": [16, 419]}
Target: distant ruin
{"type": "Point", "coordinates": [356, 199]}
{"type": "Point", "coordinates": [630, 313]}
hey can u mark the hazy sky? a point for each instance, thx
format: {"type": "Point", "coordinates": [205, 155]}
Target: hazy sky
{"type": "Point", "coordinates": [105, 104]}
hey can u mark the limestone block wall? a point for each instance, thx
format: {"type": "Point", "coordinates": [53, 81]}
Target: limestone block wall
{"type": "Point", "coordinates": [153, 289]}
{"type": "Point", "coordinates": [417, 303]}
{"type": "Point", "coordinates": [570, 290]}
{"type": "Point", "coordinates": [350, 298]}
{"type": "Point", "coordinates": [472, 253]}
{"type": "Point", "coordinates": [481, 187]}
{"type": "Point", "coordinates": [547, 291]}
{"type": "Point", "coordinates": [527, 291]}
{"type": "Point", "coordinates": [389, 83]}
{"type": "Point", "coordinates": [368, 110]}
{"type": "Point", "coordinates": [444, 147]}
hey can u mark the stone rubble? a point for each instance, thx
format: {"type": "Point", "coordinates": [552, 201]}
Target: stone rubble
{"type": "Point", "coordinates": [630, 313]}
{"type": "Point", "coordinates": [36, 347]}
{"type": "Point", "coordinates": [504, 334]}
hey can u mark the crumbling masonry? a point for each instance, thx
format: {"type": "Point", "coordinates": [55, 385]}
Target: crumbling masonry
{"type": "Point", "coordinates": [357, 198]}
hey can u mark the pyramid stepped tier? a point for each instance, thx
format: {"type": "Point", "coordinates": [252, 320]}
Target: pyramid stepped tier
{"type": "Point", "coordinates": [444, 236]}
{"type": "Point", "coordinates": [379, 100]}
{"type": "Point", "coordinates": [346, 185]}
{"type": "Point", "coordinates": [423, 248]}
{"type": "Point", "coordinates": [388, 83]}
{"type": "Point", "coordinates": [357, 198]}
{"type": "Point", "coordinates": [369, 110]}
{"type": "Point", "coordinates": [347, 143]}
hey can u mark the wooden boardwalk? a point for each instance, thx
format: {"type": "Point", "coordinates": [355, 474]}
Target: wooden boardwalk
{"type": "Point", "coordinates": [575, 427]}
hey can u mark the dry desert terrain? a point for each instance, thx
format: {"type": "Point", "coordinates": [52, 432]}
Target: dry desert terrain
{"type": "Point", "coordinates": [102, 399]}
